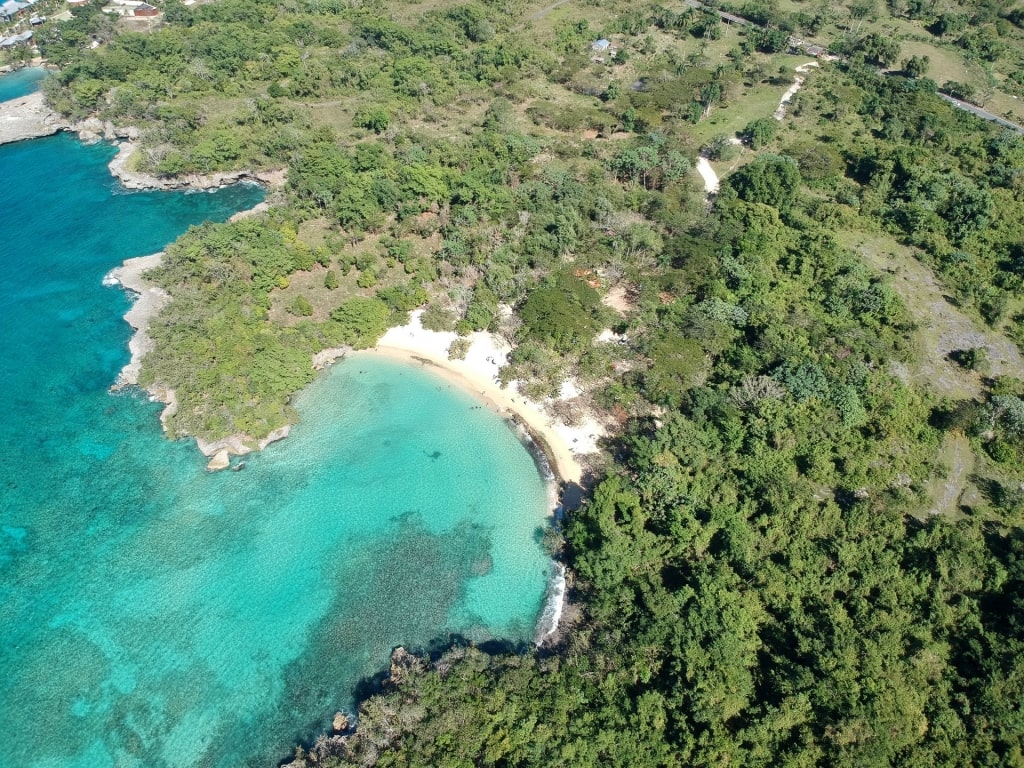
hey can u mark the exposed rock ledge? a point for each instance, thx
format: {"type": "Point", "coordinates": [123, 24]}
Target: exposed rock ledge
{"type": "Point", "coordinates": [326, 357]}
{"type": "Point", "coordinates": [28, 117]}
{"type": "Point", "coordinates": [150, 300]}
{"type": "Point", "coordinates": [241, 444]}
{"type": "Point", "coordinates": [135, 180]}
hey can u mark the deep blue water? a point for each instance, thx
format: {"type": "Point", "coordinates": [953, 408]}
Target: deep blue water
{"type": "Point", "coordinates": [153, 614]}
{"type": "Point", "coordinates": [20, 83]}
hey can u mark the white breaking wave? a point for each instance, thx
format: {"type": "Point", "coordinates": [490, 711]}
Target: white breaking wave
{"type": "Point", "coordinates": [554, 602]}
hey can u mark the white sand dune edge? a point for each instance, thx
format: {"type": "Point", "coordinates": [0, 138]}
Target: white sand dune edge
{"type": "Point", "coordinates": [478, 373]}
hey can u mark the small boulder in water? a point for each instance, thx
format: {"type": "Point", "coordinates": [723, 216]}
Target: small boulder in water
{"type": "Point", "coordinates": [340, 722]}
{"type": "Point", "coordinates": [221, 460]}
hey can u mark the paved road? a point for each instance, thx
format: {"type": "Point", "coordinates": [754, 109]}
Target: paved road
{"type": "Point", "coordinates": [983, 114]}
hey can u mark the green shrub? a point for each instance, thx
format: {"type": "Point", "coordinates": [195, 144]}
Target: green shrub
{"type": "Point", "coordinates": [437, 318]}
{"type": "Point", "coordinates": [301, 307]}
{"type": "Point", "coordinates": [458, 349]}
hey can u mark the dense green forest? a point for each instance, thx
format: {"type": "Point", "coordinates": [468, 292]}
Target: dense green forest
{"type": "Point", "coordinates": [806, 546]}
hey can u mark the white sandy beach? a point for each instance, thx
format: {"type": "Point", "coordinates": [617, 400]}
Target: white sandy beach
{"type": "Point", "coordinates": [478, 373]}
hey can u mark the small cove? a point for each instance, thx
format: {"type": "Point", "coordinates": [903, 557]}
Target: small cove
{"type": "Point", "coordinates": [21, 82]}
{"type": "Point", "coordinates": [153, 614]}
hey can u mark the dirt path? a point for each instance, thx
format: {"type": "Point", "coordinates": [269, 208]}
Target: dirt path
{"type": "Point", "coordinates": [708, 174]}
{"type": "Point", "coordinates": [798, 82]}
{"type": "Point", "coordinates": [545, 10]}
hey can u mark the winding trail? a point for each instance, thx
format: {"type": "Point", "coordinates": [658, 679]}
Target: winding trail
{"type": "Point", "coordinates": [545, 10]}
{"type": "Point", "coordinates": [798, 83]}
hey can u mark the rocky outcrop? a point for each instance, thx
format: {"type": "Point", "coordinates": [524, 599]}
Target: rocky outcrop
{"type": "Point", "coordinates": [346, 741]}
{"type": "Point", "coordinates": [93, 130]}
{"type": "Point", "coordinates": [340, 723]}
{"type": "Point", "coordinates": [28, 117]}
{"type": "Point", "coordinates": [248, 213]}
{"type": "Point", "coordinates": [221, 460]}
{"type": "Point", "coordinates": [236, 445]}
{"type": "Point", "coordinates": [150, 299]}
{"type": "Point", "coordinates": [325, 357]}
{"type": "Point", "coordinates": [278, 434]}
{"type": "Point", "coordinates": [403, 665]}
{"type": "Point", "coordinates": [135, 180]}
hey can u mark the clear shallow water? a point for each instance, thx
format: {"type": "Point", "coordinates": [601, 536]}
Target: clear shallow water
{"type": "Point", "coordinates": [21, 83]}
{"type": "Point", "coordinates": [152, 614]}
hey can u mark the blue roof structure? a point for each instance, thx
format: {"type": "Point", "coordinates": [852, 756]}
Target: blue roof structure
{"type": "Point", "coordinates": [11, 7]}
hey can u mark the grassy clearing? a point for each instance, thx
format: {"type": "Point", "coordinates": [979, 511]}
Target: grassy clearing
{"type": "Point", "coordinates": [943, 328]}
{"type": "Point", "coordinates": [947, 491]}
{"type": "Point", "coordinates": [751, 99]}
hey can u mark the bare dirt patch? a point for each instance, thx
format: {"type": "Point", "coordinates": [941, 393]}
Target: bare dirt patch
{"type": "Point", "coordinates": [618, 299]}
{"type": "Point", "coordinates": [946, 492]}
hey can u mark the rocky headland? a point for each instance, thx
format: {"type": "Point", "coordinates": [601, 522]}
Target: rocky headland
{"type": "Point", "coordinates": [28, 117]}
{"type": "Point", "coordinates": [132, 179]}
{"type": "Point", "coordinates": [149, 300]}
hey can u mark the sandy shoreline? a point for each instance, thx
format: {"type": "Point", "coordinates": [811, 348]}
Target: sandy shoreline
{"type": "Point", "coordinates": [564, 445]}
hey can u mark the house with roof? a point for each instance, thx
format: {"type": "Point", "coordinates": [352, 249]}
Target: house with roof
{"type": "Point", "coordinates": [14, 41]}
{"type": "Point", "coordinates": [11, 8]}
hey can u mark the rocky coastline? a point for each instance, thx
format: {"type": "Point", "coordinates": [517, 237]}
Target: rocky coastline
{"type": "Point", "coordinates": [149, 300]}
{"type": "Point", "coordinates": [130, 179]}
{"type": "Point", "coordinates": [28, 117]}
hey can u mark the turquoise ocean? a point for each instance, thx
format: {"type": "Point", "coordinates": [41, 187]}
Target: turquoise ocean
{"type": "Point", "coordinates": [153, 614]}
{"type": "Point", "coordinates": [20, 83]}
